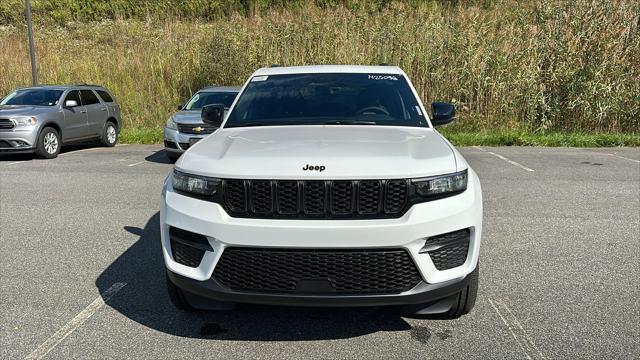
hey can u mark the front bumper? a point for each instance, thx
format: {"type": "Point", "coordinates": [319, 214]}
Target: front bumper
{"type": "Point", "coordinates": [407, 232]}
{"type": "Point", "coordinates": [420, 294]}
{"type": "Point", "coordinates": [177, 142]}
{"type": "Point", "coordinates": [18, 140]}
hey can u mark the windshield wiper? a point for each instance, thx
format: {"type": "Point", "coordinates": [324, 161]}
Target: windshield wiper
{"type": "Point", "coordinates": [349, 122]}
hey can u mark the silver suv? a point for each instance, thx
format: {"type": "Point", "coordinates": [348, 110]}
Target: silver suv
{"type": "Point", "coordinates": [185, 127]}
{"type": "Point", "coordinates": [41, 119]}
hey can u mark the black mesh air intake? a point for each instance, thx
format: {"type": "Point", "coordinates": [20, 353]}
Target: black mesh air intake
{"type": "Point", "coordinates": [188, 248]}
{"type": "Point", "coordinates": [186, 255]}
{"type": "Point", "coordinates": [448, 250]}
{"type": "Point", "coordinates": [314, 271]}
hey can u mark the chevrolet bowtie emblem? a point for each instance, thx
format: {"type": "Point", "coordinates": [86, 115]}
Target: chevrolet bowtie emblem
{"type": "Point", "coordinates": [198, 129]}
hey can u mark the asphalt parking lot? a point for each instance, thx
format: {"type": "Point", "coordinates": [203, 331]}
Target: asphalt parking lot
{"type": "Point", "coordinates": [82, 273]}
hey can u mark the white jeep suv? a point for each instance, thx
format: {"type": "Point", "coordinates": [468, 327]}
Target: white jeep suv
{"type": "Point", "coordinates": [324, 186]}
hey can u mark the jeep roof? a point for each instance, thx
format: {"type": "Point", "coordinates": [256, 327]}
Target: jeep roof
{"type": "Point", "coordinates": [311, 69]}
{"type": "Point", "coordinates": [221, 88]}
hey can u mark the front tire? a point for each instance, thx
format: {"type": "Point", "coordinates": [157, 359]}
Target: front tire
{"type": "Point", "coordinates": [177, 297]}
{"type": "Point", "coordinates": [49, 143]}
{"type": "Point", "coordinates": [459, 304]}
{"type": "Point", "coordinates": [465, 299]}
{"type": "Point", "coordinates": [109, 136]}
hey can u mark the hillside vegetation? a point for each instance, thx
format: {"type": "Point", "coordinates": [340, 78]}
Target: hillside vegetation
{"type": "Point", "coordinates": [534, 66]}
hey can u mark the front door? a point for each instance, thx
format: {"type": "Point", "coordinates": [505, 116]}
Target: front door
{"type": "Point", "coordinates": [75, 117]}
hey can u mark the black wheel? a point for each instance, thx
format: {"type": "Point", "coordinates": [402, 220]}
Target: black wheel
{"type": "Point", "coordinates": [173, 157]}
{"type": "Point", "coordinates": [177, 296]}
{"type": "Point", "coordinates": [466, 299]}
{"type": "Point", "coordinates": [461, 303]}
{"type": "Point", "coordinates": [49, 143]}
{"type": "Point", "coordinates": [109, 136]}
{"type": "Point", "coordinates": [190, 302]}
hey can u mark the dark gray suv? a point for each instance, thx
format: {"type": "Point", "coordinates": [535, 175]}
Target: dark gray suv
{"type": "Point", "coordinates": [41, 119]}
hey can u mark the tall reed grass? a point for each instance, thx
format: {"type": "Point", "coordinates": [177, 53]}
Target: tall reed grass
{"type": "Point", "coordinates": [530, 65]}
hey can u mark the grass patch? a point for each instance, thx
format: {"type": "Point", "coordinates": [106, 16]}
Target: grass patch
{"type": "Point", "coordinates": [554, 139]}
{"type": "Point", "coordinates": [546, 66]}
{"type": "Point", "coordinates": [467, 138]}
{"type": "Point", "coordinates": [141, 136]}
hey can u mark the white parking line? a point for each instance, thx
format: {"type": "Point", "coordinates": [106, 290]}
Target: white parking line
{"type": "Point", "coordinates": [72, 325]}
{"type": "Point", "coordinates": [505, 159]}
{"type": "Point", "coordinates": [77, 151]}
{"type": "Point", "coordinates": [16, 162]}
{"type": "Point", "coordinates": [134, 164]}
{"type": "Point", "coordinates": [626, 158]}
{"type": "Point", "coordinates": [517, 331]}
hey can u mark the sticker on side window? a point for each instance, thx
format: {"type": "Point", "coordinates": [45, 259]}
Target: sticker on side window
{"type": "Point", "coordinates": [418, 110]}
{"type": "Point", "coordinates": [259, 78]}
{"type": "Point", "coordinates": [383, 77]}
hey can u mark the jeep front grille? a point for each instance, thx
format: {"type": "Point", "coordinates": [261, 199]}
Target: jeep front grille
{"type": "Point", "coordinates": [317, 271]}
{"type": "Point", "coordinates": [315, 199]}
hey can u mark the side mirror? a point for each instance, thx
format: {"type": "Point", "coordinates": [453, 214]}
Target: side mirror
{"type": "Point", "coordinates": [213, 114]}
{"type": "Point", "coordinates": [443, 113]}
{"type": "Point", "coordinates": [70, 103]}
{"type": "Point", "coordinates": [180, 106]}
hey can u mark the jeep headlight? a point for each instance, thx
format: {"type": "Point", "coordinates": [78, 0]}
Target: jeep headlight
{"type": "Point", "coordinates": [24, 120]}
{"type": "Point", "coordinates": [195, 184]}
{"type": "Point", "coordinates": [441, 185]}
{"type": "Point", "coordinates": [171, 124]}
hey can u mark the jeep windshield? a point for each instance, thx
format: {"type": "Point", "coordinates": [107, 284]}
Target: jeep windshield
{"type": "Point", "coordinates": [201, 99]}
{"type": "Point", "coordinates": [34, 97]}
{"type": "Point", "coordinates": [327, 99]}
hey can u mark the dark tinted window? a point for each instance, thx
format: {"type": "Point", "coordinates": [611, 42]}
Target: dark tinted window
{"type": "Point", "coordinates": [201, 99]}
{"type": "Point", "coordinates": [89, 97]}
{"type": "Point", "coordinates": [313, 99]}
{"type": "Point", "coordinates": [105, 96]}
{"type": "Point", "coordinates": [37, 97]}
{"type": "Point", "coordinates": [73, 95]}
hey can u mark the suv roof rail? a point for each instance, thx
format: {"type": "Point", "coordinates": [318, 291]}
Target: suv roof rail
{"type": "Point", "coordinates": [275, 65]}
{"type": "Point", "coordinates": [383, 64]}
{"type": "Point", "coordinates": [85, 84]}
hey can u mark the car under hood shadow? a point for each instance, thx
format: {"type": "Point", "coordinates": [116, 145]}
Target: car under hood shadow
{"type": "Point", "coordinates": [158, 157]}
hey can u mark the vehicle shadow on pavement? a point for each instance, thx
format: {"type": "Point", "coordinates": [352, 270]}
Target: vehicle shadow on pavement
{"type": "Point", "coordinates": [144, 299]}
{"type": "Point", "coordinates": [159, 157]}
{"type": "Point", "coordinates": [16, 157]}
{"type": "Point", "coordinates": [31, 156]}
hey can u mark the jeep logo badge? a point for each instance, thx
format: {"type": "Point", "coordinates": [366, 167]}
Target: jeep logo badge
{"type": "Point", "coordinates": [314, 168]}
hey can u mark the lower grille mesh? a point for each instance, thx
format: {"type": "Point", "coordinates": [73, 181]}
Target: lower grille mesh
{"type": "Point", "coordinates": [344, 272]}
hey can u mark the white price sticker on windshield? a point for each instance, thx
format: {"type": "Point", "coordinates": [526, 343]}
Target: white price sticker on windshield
{"type": "Point", "coordinates": [259, 78]}
{"type": "Point", "coordinates": [383, 77]}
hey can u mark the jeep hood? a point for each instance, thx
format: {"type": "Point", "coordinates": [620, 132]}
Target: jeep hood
{"type": "Point", "coordinates": [346, 152]}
